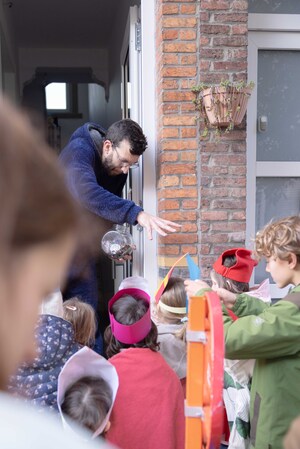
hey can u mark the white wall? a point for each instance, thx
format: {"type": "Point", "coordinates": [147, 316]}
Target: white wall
{"type": "Point", "coordinates": [31, 58]}
{"type": "Point", "coordinates": [69, 125]}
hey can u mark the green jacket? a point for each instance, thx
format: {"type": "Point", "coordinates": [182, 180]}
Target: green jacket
{"type": "Point", "coordinates": [271, 335]}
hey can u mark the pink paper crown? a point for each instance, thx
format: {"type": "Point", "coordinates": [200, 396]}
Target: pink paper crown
{"type": "Point", "coordinates": [133, 333]}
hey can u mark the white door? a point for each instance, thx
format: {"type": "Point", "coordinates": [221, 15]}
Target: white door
{"type": "Point", "coordinates": [273, 125]}
{"type": "Point", "coordinates": [130, 61]}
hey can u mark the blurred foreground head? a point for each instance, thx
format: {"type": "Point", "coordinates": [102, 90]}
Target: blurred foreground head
{"type": "Point", "coordinates": [39, 224]}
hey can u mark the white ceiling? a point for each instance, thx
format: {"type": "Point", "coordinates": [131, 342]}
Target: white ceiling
{"type": "Point", "coordinates": [62, 23]}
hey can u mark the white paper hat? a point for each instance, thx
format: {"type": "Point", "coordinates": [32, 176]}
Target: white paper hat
{"type": "Point", "coordinates": [86, 362]}
{"type": "Point", "coordinates": [53, 304]}
{"type": "Point", "coordinates": [135, 282]}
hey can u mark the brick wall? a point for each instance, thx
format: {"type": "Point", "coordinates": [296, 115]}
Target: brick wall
{"type": "Point", "coordinates": [201, 181]}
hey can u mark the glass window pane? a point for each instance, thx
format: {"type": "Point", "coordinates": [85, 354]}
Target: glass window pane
{"type": "Point", "coordinates": [275, 198]}
{"type": "Point", "coordinates": [56, 96]}
{"type": "Point", "coordinates": [278, 98]}
{"type": "Point", "coordinates": [274, 6]}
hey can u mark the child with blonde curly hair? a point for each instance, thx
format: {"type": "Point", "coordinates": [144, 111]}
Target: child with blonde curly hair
{"type": "Point", "coordinates": [270, 334]}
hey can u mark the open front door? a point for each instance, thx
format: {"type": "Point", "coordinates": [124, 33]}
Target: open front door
{"type": "Point", "coordinates": [131, 108]}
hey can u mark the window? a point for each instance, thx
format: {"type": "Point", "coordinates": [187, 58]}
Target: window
{"type": "Point", "coordinates": [56, 96]}
{"type": "Point", "coordinates": [62, 100]}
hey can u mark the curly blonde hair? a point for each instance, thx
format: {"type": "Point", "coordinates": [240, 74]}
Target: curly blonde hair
{"type": "Point", "coordinates": [279, 238]}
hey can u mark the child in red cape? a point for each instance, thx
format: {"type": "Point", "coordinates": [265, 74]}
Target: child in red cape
{"type": "Point", "coordinates": [149, 409]}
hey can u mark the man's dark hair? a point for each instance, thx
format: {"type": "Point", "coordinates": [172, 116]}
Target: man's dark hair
{"type": "Point", "coordinates": [128, 310]}
{"type": "Point", "coordinates": [128, 130]}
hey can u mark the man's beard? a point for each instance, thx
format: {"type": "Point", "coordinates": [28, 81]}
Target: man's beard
{"type": "Point", "coordinates": [109, 166]}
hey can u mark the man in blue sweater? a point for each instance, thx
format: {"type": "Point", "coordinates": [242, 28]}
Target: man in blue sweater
{"type": "Point", "coordinates": [97, 163]}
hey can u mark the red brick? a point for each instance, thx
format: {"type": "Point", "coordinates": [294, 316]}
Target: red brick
{"type": "Point", "coordinates": [215, 171]}
{"type": "Point", "coordinates": [179, 120]}
{"type": "Point", "coordinates": [215, 192]}
{"type": "Point", "coordinates": [215, 5]}
{"type": "Point", "coordinates": [214, 215]}
{"type": "Point", "coordinates": [179, 71]}
{"type": "Point", "coordinates": [170, 108]}
{"type": "Point", "coordinates": [170, 9]}
{"type": "Point", "coordinates": [174, 144]}
{"type": "Point", "coordinates": [171, 22]}
{"type": "Point", "coordinates": [177, 169]}
{"type": "Point", "coordinates": [168, 250]}
{"type": "Point", "coordinates": [189, 156]}
{"type": "Point", "coordinates": [170, 84]}
{"type": "Point", "coordinates": [179, 216]}
{"type": "Point", "coordinates": [170, 34]}
{"type": "Point", "coordinates": [228, 159]}
{"type": "Point", "coordinates": [217, 147]}
{"type": "Point", "coordinates": [168, 205]}
{"type": "Point", "coordinates": [230, 41]}
{"type": "Point", "coordinates": [204, 40]}
{"type": "Point", "coordinates": [229, 182]}
{"type": "Point", "coordinates": [188, 9]}
{"type": "Point", "coordinates": [239, 215]}
{"type": "Point", "coordinates": [214, 238]}
{"type": "Point", "coordinates": [237, 53]}
{"type": "Point", "coordinates": [212, 53]}
{"type": "Point", "coordinates": [228, 204]}
{"type": "Point", "coordinates": [170, 59]}
{"type": "Point", "coordinates": [188, 132]}
{"type": "Point", "coordinates": [189, 249]}
{"type": "Point", "coordinates": [238, 170]}
{"type": "Point", "coordinates": [179, 47]}
{"type": "Point", "coordinates": [169, 132]}
{"type": "Point", "coordinates": [177, 96]}
{"type": "Point", "coordinates": [237, 237]}
{"type": "Point", "coordinates": [232, 66]}
{"type": "Point", "coordinates": [187, 107]}
{"type": "Point", "coordinates": [239, 29]}
{"type": "Point", "coordinates": [181, 238]}
{"type": "Point", "coordinates": [168, 181]}
{"type": "Point", "coordinates": [189, 180]}
{"type": "Point", "coordinates": [215, 29]}
{"type": "Point", "coordinates": [239, 5]}
{"type": "Point", "coordinates": [231, 17]}
{"type": "Point", "coordinates": [228, 226]}
{"type": "Point", "coordinates": [204, 16]}
{"type": "Point", "coordinates": [188, 59]}
{"type": "Point", "coordinates": [177, 193]}
{"type": "Point", "coordinates": [187, 35]}
{"type": "Point", "coordinates": [189, 204]}
{"type": "Point", "coordinates": [168, 156]}
{"type": "Point", "coordinates": [189, 227]}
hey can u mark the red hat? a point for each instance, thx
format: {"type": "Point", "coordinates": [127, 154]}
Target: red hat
{"type": "Point", "coordinates": [241, 271]}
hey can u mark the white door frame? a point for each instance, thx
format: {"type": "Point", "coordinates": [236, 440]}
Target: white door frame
{"type": "Point", "coordinates": [142, 80]}
{"type": "Point", "coordinates": [266, 31]}
{"type": "Point", "coordinates": [148, 118]}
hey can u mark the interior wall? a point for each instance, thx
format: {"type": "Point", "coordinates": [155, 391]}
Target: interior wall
{"type": "Point", "coordinates": [114, 111]}
{"type": "Point", "coordinates": [69, 125]}
{"type": "Point", "coordinates": [97, 105]}
{"type": "Point", "coordinates": [31, 58]}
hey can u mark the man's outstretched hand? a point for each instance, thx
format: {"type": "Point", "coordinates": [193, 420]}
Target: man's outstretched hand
{"type": "Point", "coordinates": [161, 226]}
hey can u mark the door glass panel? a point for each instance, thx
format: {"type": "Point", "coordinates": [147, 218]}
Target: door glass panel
{"type": "Point", "coordinates": [274, 6]}
{"type": "Point", "coordinates": [278, 99]}
{"type": "Point", "coordinates": [275, 198]}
